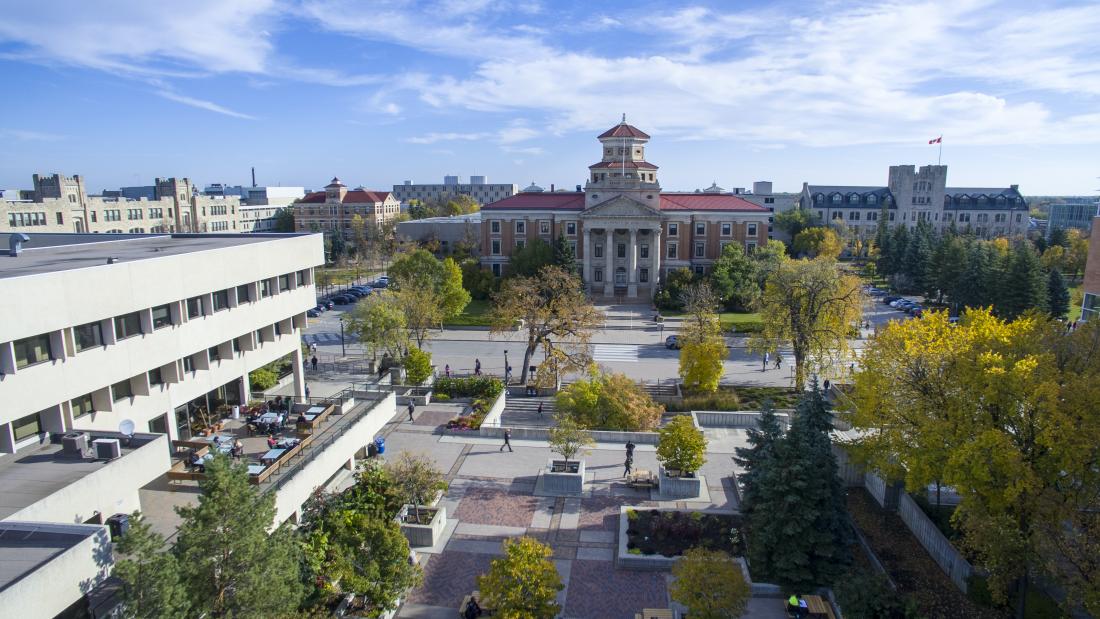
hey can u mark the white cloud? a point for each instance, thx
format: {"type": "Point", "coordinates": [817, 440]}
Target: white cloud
{"type": "Point", "coordinates": [432, 138]}
{"type": "Point", "coordinates": [202, 104]}
{"type": "Point", "coordinates": [25, 135]}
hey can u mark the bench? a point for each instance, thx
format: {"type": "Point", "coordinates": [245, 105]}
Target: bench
{"type": "Point", "coordinates": [654, 613]}
{"type": "Point", "coordinates": [641, 478]}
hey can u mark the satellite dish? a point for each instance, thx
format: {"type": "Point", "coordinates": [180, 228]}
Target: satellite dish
{"type": "Point", "coordinates": [126, 427]}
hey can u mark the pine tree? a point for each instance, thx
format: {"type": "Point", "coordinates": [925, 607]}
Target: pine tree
{"type": "Point", "coordinates": [1024, 287]}
{"type": "Point", "coordinates": [899, 242]}
{"type": "Point", "coordinates": [754, 459]}
{"type": "Point", "coordinates": [918, 256]}
{"type": "Point", "coordinates": [1057, 294]}
{"type": "Point", "coordinates": [977, 278]}
{"type": "Point", "coordinates": [150, 574]}
{"type": "Point", "coordinates": [230, 565]}
{"type": "Point", "coordinates": [564, 255]}
{"type": "Point", "coordinates": [799, 536]}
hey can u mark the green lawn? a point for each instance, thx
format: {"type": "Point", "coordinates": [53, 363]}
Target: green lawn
{"type": "Point", "coordinates": [476, 314]}
{"type": "Point", "coordinates": [733, 321]}
{"type": "Point", "coordinates": [1076, 296]}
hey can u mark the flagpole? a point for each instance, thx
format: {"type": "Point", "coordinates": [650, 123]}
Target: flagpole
{"type": "Point", "coordinates": [939, 157]}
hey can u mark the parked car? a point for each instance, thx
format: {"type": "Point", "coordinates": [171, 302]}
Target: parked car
{"type": "Point", "coordinates": [312, 312]}
{"type": "Point", "coordinates": [325, 303]}
{"type": "Point", "coordinates": [321, 307]}
{"type": "Point", "coordinates": [380, 283]}
{"type": "Point", "coordinates": [916, 312]}
{"type": "Point", "coordinates": [342, 299]}
{"type": "Point", "coordinates": [358, 294]}
{"type": "Point", "coordinates": [890, 299]}
{"type": "Point", "coordinates": [672, 342]}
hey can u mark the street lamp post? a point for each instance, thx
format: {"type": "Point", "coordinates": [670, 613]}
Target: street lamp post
{"type": "Point", "coordinates": [506, 367]}
{"type": "Point", "coordinates": [343, 349]}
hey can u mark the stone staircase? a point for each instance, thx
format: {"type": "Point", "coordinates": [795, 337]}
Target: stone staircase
{"type": "Point", "coordinates": [523, 411]}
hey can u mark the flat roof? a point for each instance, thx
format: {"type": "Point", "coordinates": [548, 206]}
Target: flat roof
{"type": "Point", "coordinates": [34, 473]}
{"type": "Point", "coordinates": [25, 547]}
{"type": "Point", "coordinates": [48, 253]}
{"type": "Point", "coordinates": [453, 219]}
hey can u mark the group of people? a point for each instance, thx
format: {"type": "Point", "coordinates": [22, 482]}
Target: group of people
{"type": "Point", "coordinates": [778, 361]}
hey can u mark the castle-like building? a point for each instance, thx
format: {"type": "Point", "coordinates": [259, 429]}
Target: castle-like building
{"type": "Point", "coordinates": [625, 232]}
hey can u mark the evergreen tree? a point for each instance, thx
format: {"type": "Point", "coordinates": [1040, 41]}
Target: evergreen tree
{"type": "Point", "coordinates": [1058, 236]}
{"type": "Point", "coordinates": [1024, 287]}
{"type": "Point", "coordinates": [949, 264]}
{"type": "Point", "coordinates": [899, 241]}
{"type": "Point", "coordinates": [230, 565]}
{"type": "Point", "coordinates": [799, 536]}
{"type": "Point", "coordinates": [918, 257]}
{"type": "Point", "coordinates": [1057, 294]}
{"type": "Point", "coordinates": [976, 278]}
{"type": "Point", "coordinates": [754, 459]}
{"type": "Point", "coordinates": [150, 574]}
{"type": "Point", "coordinates": [564, 255]}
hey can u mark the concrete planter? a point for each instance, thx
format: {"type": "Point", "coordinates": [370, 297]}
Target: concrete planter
{"type": "Point", "coordinates": [420, 396]}
{"type": "Point", "coordinates": [563, 482]}
{"type": "Point", "coordinates": [679, 487]}
{"type": "Point", "coordinates": [425, 534]}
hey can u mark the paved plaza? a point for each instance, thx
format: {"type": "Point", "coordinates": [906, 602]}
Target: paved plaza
{"type": "Point", "coordinates": [492, 498]}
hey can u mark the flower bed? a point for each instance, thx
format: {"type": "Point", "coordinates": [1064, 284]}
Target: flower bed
{"type": "Point", "coordinates": [479, 408]}
{"type": "Point", "coordinates": [670, 533]}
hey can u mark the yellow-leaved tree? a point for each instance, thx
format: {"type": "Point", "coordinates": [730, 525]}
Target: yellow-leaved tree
{"type": "Point", "coordinates": [813, 306]}
{"type": "Point", "coordinates": [523, 583]}
{"type": "Point", "coordinates": [703, 349]}
{"type": "Point", "coordinates": [710, 584]}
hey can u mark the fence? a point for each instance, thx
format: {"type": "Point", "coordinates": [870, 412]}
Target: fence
{"type": "Point", "coordinates": [928, 534]}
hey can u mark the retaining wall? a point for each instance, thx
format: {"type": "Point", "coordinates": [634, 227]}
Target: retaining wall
{"type": "Point", "coordinates": [928, 534]}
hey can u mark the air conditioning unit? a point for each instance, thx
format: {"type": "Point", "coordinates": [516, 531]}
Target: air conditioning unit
{"type": "Point", "coordinates": [107, 448]}
{"type": "Point", "coordinates": [75, 444]}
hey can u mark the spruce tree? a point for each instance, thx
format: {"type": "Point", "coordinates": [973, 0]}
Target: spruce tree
{"type": "Point", "coordinates": [563, 254]}
{"type": "Point", "coordinates": [230, 565]}
{"type": "Point", "coordinates": [899, 242]}
{"type": "Point", "coordinates": [918, 256]}
{"type": "Point", "coordinates": [754, 459]}
{"type": "Point", "coordinates": [1023, 286]}
{"type": "Point", "coordinates": [1057, 294]}
{"type": "Point", "coordinates": [798, 533]}
{"type": "Point", "coordinates": [977, 278]}
{"type": "Point", "coordinates": [149, 574]}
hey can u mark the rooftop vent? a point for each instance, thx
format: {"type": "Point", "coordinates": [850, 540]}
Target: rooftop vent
{"type": "Point", "coordinates": [112, 259]}
{"type": "Point", "coordinates": [15, 243]}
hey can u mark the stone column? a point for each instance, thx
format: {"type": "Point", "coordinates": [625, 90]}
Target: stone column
{"type": "Point", "coordinates": [609, 269]}
{"type": "Point", "coordinates": [299, 375]}
{"type": "Point", "coordinates": [586, 261]}
{"type": "Point", "coordinates": [655, 276]}
{"type": "Point", "coordinates": [632, 266]}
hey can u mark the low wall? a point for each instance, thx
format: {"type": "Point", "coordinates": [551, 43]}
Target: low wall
{"type": "Point", "coordinates": [928, 534]}
{"type": "Point", "coordinates": [736, 419]}
{"type": "Point", "coordinates": [543, 434]}
{"type": "Point", "coordinates": [492, 418]}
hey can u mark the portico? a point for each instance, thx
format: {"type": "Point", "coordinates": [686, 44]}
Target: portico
{"type": "Point", "coordinates": [622, 241]}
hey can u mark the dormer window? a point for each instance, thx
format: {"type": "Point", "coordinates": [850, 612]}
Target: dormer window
{"type": "Point", "coordinates": [853, 199]}
{"type": "Point", "coordinates": [836, 198]}
{"type": "Point", "coordinates": [871, 199]}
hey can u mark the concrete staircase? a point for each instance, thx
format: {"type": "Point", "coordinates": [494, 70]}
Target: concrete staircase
{"type": "Point", "coordinates": [523, 411]}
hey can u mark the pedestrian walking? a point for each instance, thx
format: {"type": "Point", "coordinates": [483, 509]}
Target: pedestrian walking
{"type": "Point", "coordinates": [307, 392]}
{"type": "Point", "coordinates": [629, 450]}
{"type": "Point", "coordinates": [313, 362]}
{"type": "Point", "coordinates": [507, 440]}
{"type": "Point", "coordinates": [507, 374]}
{"type": "Point", "coordinates": [412, 407]}
{"type": "Point", "coordinates": [778, 361]}
{"type": "Point", "coordinates": [765, 368]}
{"type": "Point", "coordinates": [826, 384]}
{"type": "Point", "coordinates": [628, 466]}
{"type": "Point", "coordinates": [540, 409]}
{"type": "Point", "coordinates": [477, 367]}
{"type": "Point", "coordinates": [447, 370]}
{"type": "Point", "coordinates": [313, 348]}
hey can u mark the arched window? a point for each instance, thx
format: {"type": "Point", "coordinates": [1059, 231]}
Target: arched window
{"type": "Point", "coordinates": [871, 199]}
{"type": "Point", "coordinates": [1000, 200]}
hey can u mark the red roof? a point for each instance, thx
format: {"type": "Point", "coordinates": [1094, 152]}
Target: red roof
{"type": "Point", "coordinates": [563, 201]}
{"type": "Point", "coordinates": [623, 130]}
{"type": "Point", "coordinates": [707, 202]}
{"type": "Point", "coordinates": [352, 197]}
{"type": "Point", "coordinates": [633, 165]}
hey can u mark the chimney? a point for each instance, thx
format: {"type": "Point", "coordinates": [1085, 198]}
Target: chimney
{"type": "Point", "coordinates": [578, 188]}
{"type": "Point", "coordinates": [15, 242]}
{"type": "Point", "coordinates": [253, 176]}
{"type": "Point", "coordinates": [1014, 187]}
{"type": "Point", "coordinates": [551, 187]}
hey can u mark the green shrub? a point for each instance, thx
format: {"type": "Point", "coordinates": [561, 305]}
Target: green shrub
{"type": "Point", "coordinates": [262, 379]}
{"type": "Point", "coordinates": [868, 596]}
{"type": "Point", "coordinates": [418, 366]}
{"type": "Point", "coordinates": [1039, 604]}
{"type": "Point", "coordinates": [470, 387]}
{"type": "Point", "coordinates": [721, 400]}
{"type": "Point", "coordinates": [440, 397]}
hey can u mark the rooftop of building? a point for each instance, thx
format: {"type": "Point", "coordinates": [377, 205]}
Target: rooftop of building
{"type": "Point", "coordinates": [982, 191]}
{"type": "Point", "coordinates": [469, 218]}
{"type": "Point", "coordinates": [27, 546]}
{"type": "Point", "coordinates": [533, 200]}
{"type": "Point", "coordinates": [860, 189]}
{"type": "Point", "coordinates": [623, 130]}
{"type": "Point", "coordinates": [52, 252]}
{"type": "Point", "coordinates": [708, 202]}
{"type": "Point", "coordinates": [34, 473]}
{"type": "Point", "coordinates": [355, 196]}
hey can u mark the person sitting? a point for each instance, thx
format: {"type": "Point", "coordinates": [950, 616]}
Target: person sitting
{"type": "Point", "coordinates": [302, 419]}
{"type": "Point", "coordinates": [238, 450]}
{"type": "Point", "coordinates": [196, 462]}
{"type": "Point", "coordinates": [473, 609]}
{"type": "Point", "coordinates": [271, 442]}
{"type": "Point", "coordinates": [797, 606]}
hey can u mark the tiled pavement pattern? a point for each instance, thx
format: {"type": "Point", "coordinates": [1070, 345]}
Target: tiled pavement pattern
{"type": "Point", "coordinates": [596, 591]}
{"type": "Point", "coordinates": [431, 418]}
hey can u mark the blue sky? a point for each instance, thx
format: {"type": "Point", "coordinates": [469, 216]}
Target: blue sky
{"type": "Point", "coordinates": [828, 92]}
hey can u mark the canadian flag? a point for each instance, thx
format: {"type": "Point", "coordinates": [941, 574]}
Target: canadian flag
{"type": "Point", "coordinates": [936, 140]}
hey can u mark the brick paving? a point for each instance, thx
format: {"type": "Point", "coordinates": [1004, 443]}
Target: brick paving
{"type": "Point", "coordinates": [602, 512]}
{"type": "Point", "coordinates": [597, 591]}
{"type": "Point", "coordinates": [449, 577]}
{"type": "Point", "coordinates": [499, 507]}
{"type": "Point", "coordinates": [431, 418]}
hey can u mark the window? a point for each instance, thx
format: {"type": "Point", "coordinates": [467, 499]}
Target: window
{"type": "Point", "coordinates": [494, 227]}
{"type": "Point", "coordinates": [128, 325]}
{"type": "Point", "coordinates": [891, 217]}
{"type": "Point", "coordinates": [699, 270]}
{"type": "Point", "coordinates": [700, 250]}
{"type": "Point", "coordinates": [571, 228]}
{"type": "Point", "coordinates": [727, 229]}
{"type": "Point", "coordinates": [836, 198]}
{"type": "Point", "coordinates": [265, 288]}
{"type": "Point", "coordinates": [838, 215]}
{"type": "Point", "coordinates": [573, 248]}
{"type": "Point", "coordinates": [620, 250]}
{"type": "Point", "coordinates": [521, 243]}
{"type": "Point", "coordinates": [82, 405]}
{"type": "Point", "coordinates": [300, 278]}
{"type": "Point", "coordinates": [122, 390]}
{"type": "Point", "coordinates": [853, 199]}
{"type": "Point", "coordinates": [162, 316]}
{"type": "Point", "coordinates": [112, 215]}
{"type": "Point", "coordinates": [700, 229]}
{"type": "Point", "coordinates": [544, 227]}
{"type": "Point", "coordinates": [213, 354]}
{"type": "Point", "coordinates": [27, 426]}
{"type": "Point", "coordinates": [93, 216]}
{"type": "Point", "coordinates": [194, 307]}
{"type": "Point", "coordinates": [60, 220]}
{"type": "Point", "coordinates": [155, 377]}
{"type": "Point", "coordinates": [769, 200]}
{"type": "Point", "coordinates": [643, 275]}
{"type": "Point", "coordinates": [284, 283]}
{"type": "Point", "coordinates": [188, 364]}
{"type": "Point", "coordinates": [134, 213]}
{"type": "Point", "coordinates": [496, 269]}
{"type": "Point", "coordinates": [853, 215]}
{"type": "Point", "coordinates": [521, 226]}
{"type": "Point", "coordinates": [597, 275]}
{"type": "Point", "coordinates": [221, 300]}
{"type": "Point", "coordinates": [750, 247]}
{"type": "Point", "coordinates": [88, 336]}
{"type": "Point", "coordinates": [598, 251]}
{"type": "Point", "coordinates": [670, 251]}
{"type": "Point", "coordinates": [1017, 217]}
{"type": "Point", "coordinates": [495, 247]}
{"type": "Point", "coordinates": [673, 229]}
{"type": "Point", "coordinates": [236, 344]}
{"type": "Point", "coordinates": [871, 199]}
{"type": "Point", "coordinates": [751, 230]}
{"type": "Point", "coordinates": [32, 350]}
{"type": "Point", "coordinates": [643, 251]}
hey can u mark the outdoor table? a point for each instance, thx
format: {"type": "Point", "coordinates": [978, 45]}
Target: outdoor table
{"type": "Point", "coordinates": [269, 418]}
{"type": "Point", "coordinates": [272, 455]}
{"type": "Point", "coordinates": [287, 443]}
{"type": "Point", "coordinates": [256, 469]}
{"type": "Point", "coordinates": [315, 410]}
{"type": "Point", "coordinates": [224, 447]}
{"type": "Point", "coordinates": [310, 417]}
{"type": "Point", "coordinates": [817, 606]}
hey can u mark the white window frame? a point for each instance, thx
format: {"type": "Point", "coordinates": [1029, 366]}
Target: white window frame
{"type": "Point", "coordinates": [544, 227]}
{"type": "Point", "coordinates": [751, 230]}
{"type": "Point", "coordinates": [727, 228]}
{"type": "Point", "coordinates": [521, 226]}
{"type": "Point", "coordinates": [571, 228]}
{"type": "Point", "coordinates": [671, 251]}
{"type": "Point", "coordinates": [700, 249]}
{"type": "Point", "coordinates": [700, 228]}
{"type": "Point", "coordinates": [494, 226]}
{"type": "Point", "coordinates": [674, 229]}
{"type": "Point", "coordinates": [494, 247]}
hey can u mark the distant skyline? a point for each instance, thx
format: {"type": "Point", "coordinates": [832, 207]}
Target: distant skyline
{"type": "Point", "coordinates": [122, 91]}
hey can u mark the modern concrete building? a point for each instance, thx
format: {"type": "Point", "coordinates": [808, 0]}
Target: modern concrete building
{"type": "Point", "coordinates": [912, 195]}
{"type": "Point", "coordinates": [449, 232]}
{"type": "Point", "coordinates": [61, 203]}
{"type": "Point", "coordinates": [1077, 214]}
{"type": "Point", "coordinates": [477, 188]}
{"type": "Point", "coordinates": [626, 232]}
{"type": "Point", "coordinates": [47, 569]}
{"type": "Point", "coordinates": [331, 211]}
{"type": "Point", "coordinates": [1090, 306]}
{"type": "Point", "coordinates": [259, 205]}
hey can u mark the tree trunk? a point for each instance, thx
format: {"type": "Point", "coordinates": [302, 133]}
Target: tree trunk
{"type": "Point", "coordinates": [1021, 602]}
{"type": "Point", "coordinates": [527, 360]}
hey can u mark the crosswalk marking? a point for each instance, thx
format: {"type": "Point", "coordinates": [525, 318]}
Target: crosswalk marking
{"type": "Point", "coordinates": [621, 353]}
{"type": "Point", "coordinates": [321, 338]}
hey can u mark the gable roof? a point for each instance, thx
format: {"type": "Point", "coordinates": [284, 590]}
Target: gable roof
{"type": "Point", "coordinates": [846, 189]}
{"type": "Point", "coordinates": [358, 196]}
{"type": "Point", "coordinates": [708, 202]}
{"type": "Point", "coordinates": [623, 130]}
{"type": "Point", "coordinates": [562, 201]}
